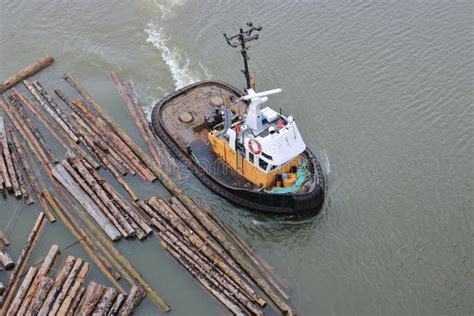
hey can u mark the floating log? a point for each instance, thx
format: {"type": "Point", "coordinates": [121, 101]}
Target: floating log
{"type": "Point", "coordinates": [134, 299]}
{"type": "Point", "coordinates": [113, 311]}
{"type": "Point", "coordinates": [42, 272]}
{"type": "Point", "coordinates": [101, 194]}
{"type": "Point", "coordinates": [4, 238]}
{"type": "Point", "coordinates": [54, 106]}
{"type": "Point", "coordinates": [43, 289]}
{"type": "Point", "coordinates": [86, 242]}
{"type": "Point", "coordinates": [25, 254]}
{"type": "Point", "coordinates": [58, 282]}
{"type": "Point", "coordinates": [106, 301]}
{"type": "Point", "coordinates": [5, 258]}
{"type": "Point", "coordinates": [62, 175]}
{"type": "Point", "coordinates": [20, 295]}
{"type": "Point", "coordinates": [7, 157]}
{"type": "Point", "coordinates": [50, 111]}
{"type": "Point", "coordinates": [76, 301]}
{"type": "Point", "coordinates": [3, 166]}
{"type": "Point", "coordinates": [26, 72]}
{"type": "Point", "coordinates": [121, 134]}
{"type": "Point", "coordinates": [55, 129]}
{"type": "Point", "coordinates": [2, 288]}
{"type": "Point", "coordinates": [74, 290]}
{"type": "Point", "coordinates": [180, 226]}
{"type": "Point", "coordinates": [235, 309]}
{"type": "Point", "coordinates": [68, 282]}
{"type": "Point", "coordinates": [31, 126]}
{"type": "Point", "coordinates": [132, 276]}
{"type": "Point", "coordinates": [94, 293]}
{"type": "Point", "coordinates": [116, 197]}
{"type": "Point", "coordinates": [17, 165]}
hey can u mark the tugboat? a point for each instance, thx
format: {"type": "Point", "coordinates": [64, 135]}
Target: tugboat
{"type": "Point", "coordinates": [244, 151]}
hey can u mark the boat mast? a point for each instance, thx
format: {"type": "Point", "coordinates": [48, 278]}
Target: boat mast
{"type": "Point", "coordinates": [241, 39]}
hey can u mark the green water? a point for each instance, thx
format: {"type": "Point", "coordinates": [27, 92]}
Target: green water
{"type": "Point", "coordinates": [382, 92]}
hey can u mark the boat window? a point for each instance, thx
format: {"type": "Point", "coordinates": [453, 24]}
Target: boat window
{"type": "Point", "coordinates": [267, 156]}
{"type": "Point", "coordinates": [262, 164]}
{"type": "Point", "coordinates": [273, 167]}
{"type": "Point", "coordinates": [251, 157]}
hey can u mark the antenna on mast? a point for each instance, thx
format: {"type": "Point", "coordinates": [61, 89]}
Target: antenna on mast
{"type": "Point", "coordinates": [241, 39]}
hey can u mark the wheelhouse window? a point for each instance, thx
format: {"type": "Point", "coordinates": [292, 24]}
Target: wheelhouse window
{"type": "Point", "coordinates": [267, 156]}
{"type": "Point", "coordinates": [262, 164]}
{"type": "Point", "coordinates": [251, 157]}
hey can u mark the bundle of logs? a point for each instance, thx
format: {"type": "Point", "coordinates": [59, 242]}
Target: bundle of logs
{"type": "Point", "coordinates": [213, 254]}
{"type": "Point", "coordinates": [42, 293]}
{"type": "Point", "coordinates": [11, 178]}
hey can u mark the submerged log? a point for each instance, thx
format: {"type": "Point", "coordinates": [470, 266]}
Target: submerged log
{"type": "Point", "coordinates": [61, 174]}
{"type": "Point", "coordinates": [26, 72]}
{"type": "Point", "coordinates": [25, 255]}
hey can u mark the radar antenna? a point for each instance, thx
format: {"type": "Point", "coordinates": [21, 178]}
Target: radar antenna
{"type": "Point", "coordinates": [241, 39]}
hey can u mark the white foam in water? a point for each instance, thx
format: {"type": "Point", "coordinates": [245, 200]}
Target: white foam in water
{"type": "Point", "coordinates": [182, 74]}
{"type": "Point", "coordinates": [327, 164]}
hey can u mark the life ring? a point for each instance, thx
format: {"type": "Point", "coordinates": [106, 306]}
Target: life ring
{"type": "Point", "coordinates": [254, 146]}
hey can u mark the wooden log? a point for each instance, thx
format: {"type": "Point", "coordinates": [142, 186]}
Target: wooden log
{"type": "Point", "coordinates": [20, 295]}
{"type": "Point", "coordinates": [54, 106]}
{"type": "Point", "coordinates": [26, 134]}
{"type": "Point", "coordinates": [134, 299]}
{"type": "Point", "coordinates": [116, 197]}
{"type": "Point", "coordinates": [2, 288]}
{"type": "Point", "coordinates": [116, 305]}
{"type": "Point", "coordinates": [101, 194]}
{"type": "Point", "coordinates": [32, 127]}
{"type": "Point", "coordinates": [3, 237]}
{"type": "Point", "coordinates": [14, 279]}
{"type": "Point", "coordinates": [55, 129]}
{"type": "Point", "coordinates": [86, 243]}
{"type": "Point", "coordinates": [158, 149]}
{"type": "Point", "coordinates": [42, 271]}
{"type": "Point", "coordinates": [68, 282]}
{"type": "Point", "coordinates": [26, 72]}
{"type": "Point", "coordinates": [94, 293]}
{"type": "Point", "coordinates": [180, 226]}
{"type": "Point", "coordinates": [50, 111]}
{"type": "Point", "coordinates": [58, 282]}
{"type": "Point", "coordinates": [75, 303]}
{"type": "Point", "coordinates": [74, 289]}
{"type": "Point", "coordinates": [206, 268]}
{"type": "Point", "coordinates": [235, 309]}
{"type": "Point", "coordinates": [134, 148]}
{"type": "Point", "coordinates": [132, 276]}
{"type": "Point", "coordinates": [3, 166]}
{"type": "Point", "coordinates": [105, 302]}
{"type": "Point", "coordinates": [7, 156]}
{"type": "Point", "coordinates": [35, 182]}
{"type": "Point", "coordinates": [62, 175]}
{"type": "Point", "coordinates": [43, 289]}
{"type": "Point", "coordinates": [17, 166]}
{"type": "Point", "coordinates": [92, 195]}
{"type": "Point", "coordinates": [5, 258]}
